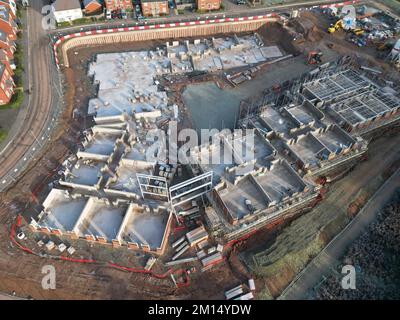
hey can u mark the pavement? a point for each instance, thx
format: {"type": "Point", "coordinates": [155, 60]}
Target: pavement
{"type": "Point", "coordinates": [320, 265]}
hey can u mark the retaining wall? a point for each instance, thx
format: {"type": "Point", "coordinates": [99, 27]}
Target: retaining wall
{"type": "Point", "coordinates": [161, 31]}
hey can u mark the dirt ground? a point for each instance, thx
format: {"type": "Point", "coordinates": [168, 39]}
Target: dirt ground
{"type": "Point", "coordinates": [21, 272]}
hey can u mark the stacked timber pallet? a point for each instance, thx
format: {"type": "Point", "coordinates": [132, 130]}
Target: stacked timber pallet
{"type": "Point", "coordinates": [190, 239]}
{"type": "Point", "coordinates": [197, 235]}
{"type": "Point", "coordinates": [238, 293]}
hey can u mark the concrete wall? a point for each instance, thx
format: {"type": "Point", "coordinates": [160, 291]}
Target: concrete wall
{"type": "Point", "coordinates": [165, 33]}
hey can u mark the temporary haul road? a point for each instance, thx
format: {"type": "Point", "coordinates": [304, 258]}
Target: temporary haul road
{"type": "Point", "coordinates": [32, 119]}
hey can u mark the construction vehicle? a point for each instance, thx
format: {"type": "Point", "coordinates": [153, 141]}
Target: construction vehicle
{"type": "Point", "coordinates": [357, 31]}
{"type": "Point", "coordinates": [338, 25]}
{"type": "Point", "coordinates": [314, 57]}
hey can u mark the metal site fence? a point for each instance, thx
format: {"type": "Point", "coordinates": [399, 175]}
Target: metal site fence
{"type": "Point", "coordinates": [44, 137]}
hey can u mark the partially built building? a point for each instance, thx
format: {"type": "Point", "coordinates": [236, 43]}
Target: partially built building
{"type": "Point", "coordinates": [122, 189]}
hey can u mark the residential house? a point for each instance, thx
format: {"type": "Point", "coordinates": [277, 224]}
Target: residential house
{"type": "Point", "coordinates": [208, 5]}
{"type": "Point", "coordinates": [154, 8]}
{"type": "Point", "coordinates": [112, 5]}
{"type": "Point", "coordinates": [7, 44]}
{"type": "Point", "coordinates": [6, 84]}
{"type": "Point", "coordinates": [8, 62]}
{"type": "Point", "coordinates": [185, 4]}
{"type": "Point", "coordinates": [92, 6]}
{"type": "Point", "coordinates": [7, 23]}
{"type": "Point", "coordinates": [11, 6]}
{"type": "Point", "coordinates": [67, 10]}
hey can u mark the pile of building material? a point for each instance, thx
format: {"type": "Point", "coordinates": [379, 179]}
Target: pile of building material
{"type": "Point", "coordinates": [211, 260]}
{"type": "Point", "coordinates": [192, 212]}
{"type": "Point", "coordinates": [189, 240]}
{"type": "Point", "coordinates": [247, 296]}
{"type": "Point", "coordinates": [197, 235]}
{"type": "Point", "coordinates": [237, 293]}
{"type": "Point", "coordinates": [232, 293]}
{"type": "Point", "coordinates": [181, 261]}
{"type": "Point", "coordinates": [180, 246]}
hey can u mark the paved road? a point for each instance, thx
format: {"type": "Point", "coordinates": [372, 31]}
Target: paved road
{"type": "Point", "coordinates": [320, 265]}
{"type": "Point", "coordinates": [34, 116]}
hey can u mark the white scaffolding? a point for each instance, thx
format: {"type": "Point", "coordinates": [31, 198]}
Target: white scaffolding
{"type": "Point", "coordinates": [153, 185]}
{"type": "Point", "coordinates": [190, 189]}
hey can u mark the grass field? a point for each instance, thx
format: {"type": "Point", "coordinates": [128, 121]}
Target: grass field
{"type": "Point", "coordinates": [3, 135]}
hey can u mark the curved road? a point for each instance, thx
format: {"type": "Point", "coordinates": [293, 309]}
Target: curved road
{"type": "Point", "coordinates": [39, 104]}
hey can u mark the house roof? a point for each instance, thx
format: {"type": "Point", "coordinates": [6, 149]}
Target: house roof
{"type": "Point", "coordinates": [154, 1]}
{"type": "Point", "coordinates": [4, 14]}
{"type": "Point", "coordinates": [3, 36]}
{"type": "Point", "coordinates": [2, 68]}
{"type": "Point", "coordinates": [3, 55]}
{"type": "Point", "coordinates": [86, 2]}
{"type": "Point", "coordinates": [62, 5]}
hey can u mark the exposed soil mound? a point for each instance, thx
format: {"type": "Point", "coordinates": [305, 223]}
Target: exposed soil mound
{"type": "Point", "coordinates": [274, 33]}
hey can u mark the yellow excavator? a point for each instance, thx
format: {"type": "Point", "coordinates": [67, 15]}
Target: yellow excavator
{"type": "Point", "coordinates": [338, 25]}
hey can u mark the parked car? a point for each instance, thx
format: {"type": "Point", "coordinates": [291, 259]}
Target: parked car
{"type": "Point", "coordinates": [124, 15]}
{"type": "Point", "coordinates": [108, 14]}
{"type": "Point", "coordinates": [116, 14]}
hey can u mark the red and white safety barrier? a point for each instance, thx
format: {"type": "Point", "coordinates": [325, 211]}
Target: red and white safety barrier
{"type": "Point", "coordinates": [340, 4]}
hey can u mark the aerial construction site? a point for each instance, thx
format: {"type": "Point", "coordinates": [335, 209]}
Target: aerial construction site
{"type": "Point", "coordinates": [209, 160]}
